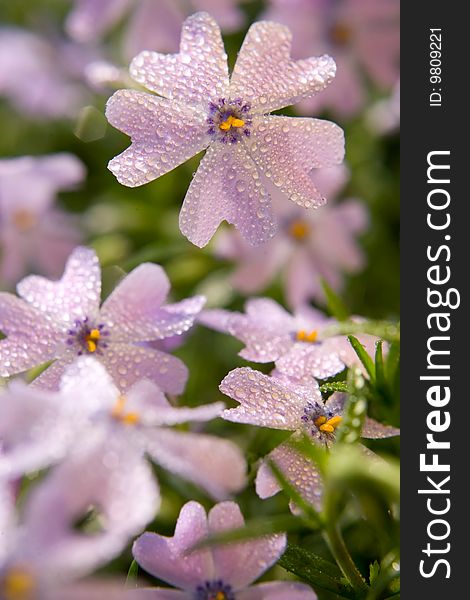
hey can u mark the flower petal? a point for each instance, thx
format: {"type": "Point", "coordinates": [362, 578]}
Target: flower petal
{"type": "Point", "coordinates": [227, 186]}
{"type": "Point", "coordinates": [278, 590]}
{"type": "Point", "coordinates": [298, 470]}
{"type": "Point", "coordinates": [266, 76]}
{"type": "Point", "coordinates": [305, 361]}
{"type": "Point", "coordinates": [164, 134]}
{"type": "Point", "coordinates": [50, 378]}
{"type": "Point", "coordinates": [75, 296]}
{"type": "Point", "coordinates": [287, 148]}
{"type": "Point", "coordinates": [264, 401]}
{"type": "Point", "coordinates": [197, 74]}
{"type": "Point", "coordinates": [127, 363]}
{"type": "Point", "coordinates": [214, 464]}
{"type": "Point", "coordinates": [372, 429]}
{"type": "Point", "coordinates": [90, 19]}
{"type": "Point", "coordinates": [30, 338]}
{"type": "Point", "coordinates": [105, 473]}
{"type": "Point", "coordinates": [167, 557]}
{"type": "Point", "coordinates": [240, 564]}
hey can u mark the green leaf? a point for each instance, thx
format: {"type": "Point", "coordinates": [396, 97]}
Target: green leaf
{"type": "Point", "coordinates": [334, 303]}
{"type": "Point", "coordinates": [355, 409]}
{"type": "Point", "coordinates": [365, 359]}
{"type": "Point", "coordinates": [374, 570]}
{"type": "Point", "coordinates": [132, 573]}
{"type": "Point", "coordinates": [334, 386]}
{"type": "Point", "coordinates": [315, 570]}
{"type": "Point", "coordinates": [380, 380]}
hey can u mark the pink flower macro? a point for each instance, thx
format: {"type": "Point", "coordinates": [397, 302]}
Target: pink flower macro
{"type": "Point", "coordinates": [153, 24]}
{"type": "Point", "coordinates": [309, 246]}
{"type": "Point", "coordinates": [362, 35]}
{"type": "Point", "coordinates": [41, 76]}
{"type": "Point", "coordinates": [34, 235]}
{"type": "Point", "coordinates": [46, 551]}
{"type": "Point", "coordinates": [219, 572]}
{"type": "Point", "coordinates": [296, 342]}
{"type": "Point", "coordinates": [280, 403]}
{"type": "Point", "coordinates": [60, 320]}
{"type": "Point", "coordinates": [40, 428]}
{"type": "Point", "coordinates": [199, 107]}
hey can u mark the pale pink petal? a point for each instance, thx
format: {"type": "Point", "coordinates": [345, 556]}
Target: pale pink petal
{"type": "Point", "coordinates": [94, 589]}
{"type": "Point", "coordinates": [127, 363]}
{"type": "Point", "coordinates": [197, 74]}
{"type": "Point", "coordinates": [107, 474]}
{"type": "Point", "coordinates": [75, 296]}
{"type": "Point", "coordinates": [305, 361]}
{"type": "Point", "coordinates": [154, 593]}
{"type": "Point", "coordinates": [340, 345]}
{"type": "Point", "coordinates": [278, 590]}
{"type": "Point", "coordinates": [265, 75]}
{"type": "Point", "coordinates": [240, 564]}
{"type": "Point", "coordinates": [268, 311]}
{"type": "Point", "coordinates": [149, 402]}
{"type": "Point", "coordinates": [30, 338]}
{"type": "Point", "coordinates": [264, 342]}
{"type": "Point", "coordinates": [225, 12]}
{"type": "Point", "coordinates": [51, 377]}
{"type": "Point", "coordinates": [302, 277]}
{"type": "Point", "coordinates": [90, 19]}
{"type": "Point", "coordinates": [33, 431]}
{"type": "Point", "coordinates": [264, 401]}
{"type": "Point", "coordinates": [131, 310]}
{"type": "Point", "coordinates": [227, 186]}
{"type": "Point", "coordinates": [287, 148]}
{"type": "Point", "coordinates": [216, 318]}
{"type": "Point", "coordinates": [175, 319]}
{"type": "Point", "coordinates": [372, 429]}
{"type": "Point", "coordinates": [164, 134]}
{"type": "Point", "coordinates": [298, 470]}
{"type": "Point", "coordinates": [7, 521]}
{"type": "Point", "coordinates": [167, 557]}
{"type": "Point", "coordinates": [154, 26]}
{"type": "Point", "coordinates": [215, 464]}
{"type": "Point", "coordinates": [63, 170]}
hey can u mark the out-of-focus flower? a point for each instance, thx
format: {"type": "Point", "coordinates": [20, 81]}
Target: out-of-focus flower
{"type": "Point", "coordinates": [40, 427]}
{"type": "Point", "coordinates": [34, 235]}
{"type": "Point", "coordinates": [280, 403]}
{"type": "Point", "coordinates": [80, 517]}
{"type": "Point", "coordinates": [154, 25]}
{"type": "Point", "coordinates": [384, 116]}
{"type": "Point", "coordinates": [362, 35]}
{"type": "Point", "coordinates": [62, 320]}
{"type": "Point", "coordinates": [218, 572]}
{"type": "Point", "coordinates": [296, 342]}
{"type": "Point", "coordinates": [198, 107]}
{"type": "Point", "coordinates": [310, 245]}
{"type": "Point", "coordinates": [41, 77]}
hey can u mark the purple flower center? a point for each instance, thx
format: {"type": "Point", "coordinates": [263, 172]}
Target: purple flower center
{"type": "Point", "coordinates": [320, 422]}
{"type": "Point", "coordinates": [214, 590]}
{"type": "Point", "coordinates": [87, 338]}
{"type": "Point", "coordinates": [229, 121]}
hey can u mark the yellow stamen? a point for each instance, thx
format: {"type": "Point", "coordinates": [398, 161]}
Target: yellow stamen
{"type": "Point", "coordinates": [17, 585]}
{"type": "Point", "coordinates": [299, 230]}
{"type": "Point", "coordinates": [231, 122]}
{"type": "Point", "coordinates": [329, 425]}
{"type": "Point", "coordinates": [218, 596]}
{"type": "Point", "coordinates": [304, 336]}
{"type": "Point", "coordinates": [91, 340]}
{"type": "Point", "coordinates": [23, 219]}
{"type": "Point", "coordinates": [117, 412]}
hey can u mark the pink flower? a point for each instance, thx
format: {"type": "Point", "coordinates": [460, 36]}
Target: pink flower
{"type": "Point", "coordinates": [46, 551]}
{"type": "Point", "coordinates": [41, 76]}
{"type": "Point", "coordinates": [33, 233]}
{"type": "Point", "coordinates": [383, 117]}
{"type": "Point", "coordinates": [310, 245]}
{"type": "Point", "coordinates": [62, 320]}
{"type": "Point", "coordinates": [39, 428]}
{"type": "Point", "coordinates": [280, 403]}
{"type": "Point", "coordinates": [296, 342]}
{"type": "Point", "coordinates": [198, 107]}
{"type": "Point", "coordinates": [154, 25]}
{"type": "Point", "coordinates": [362, 35]}
{"type": "Point", "coordinates": [221, 572]}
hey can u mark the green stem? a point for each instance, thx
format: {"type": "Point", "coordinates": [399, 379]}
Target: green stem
{"type": "Point", "coordinates": [338, 548]}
